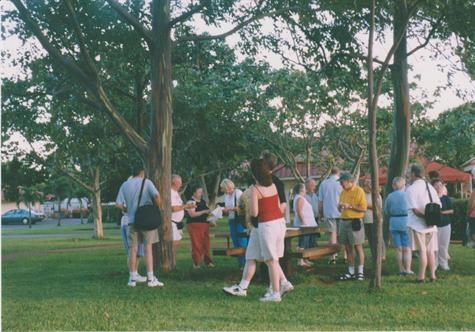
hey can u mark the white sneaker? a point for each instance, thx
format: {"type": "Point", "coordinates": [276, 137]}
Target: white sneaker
{"type": "Point", "coordinates": [155, 283]}
{"type": "Point", "coordinates": [139, 278]}
{"type": "Point", "coordinates": [286, 287]}
{"type": "Point", "coordinates": [235, 290]}
{"type": "Point", "coordinates": [273, 297]}
{"type": "Point", "coordinates": [132, 282]}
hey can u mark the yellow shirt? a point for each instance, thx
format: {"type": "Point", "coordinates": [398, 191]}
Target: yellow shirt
{"type": "Point", "coordinates": [355, 197]}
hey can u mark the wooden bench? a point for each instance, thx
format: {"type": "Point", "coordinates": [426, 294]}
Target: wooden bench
{"type": "Point", "coordinates": [317, 252]}
{"type": "Point", "coordinates": [228, 251]}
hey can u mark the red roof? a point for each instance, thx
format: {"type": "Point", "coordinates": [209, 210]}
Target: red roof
{"type": "Point", "coordinates": [447, 174]}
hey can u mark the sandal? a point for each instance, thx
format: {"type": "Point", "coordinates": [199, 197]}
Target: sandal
{"type": "Point", "coordinates": [360, 277]}
{"type": "Point", "coordinates": [346, 276]}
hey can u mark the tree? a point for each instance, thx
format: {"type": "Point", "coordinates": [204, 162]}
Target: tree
{"type": "Point", "coordinates": [83, 67]}
{"type": "Point", "coordinates": [29, 196]}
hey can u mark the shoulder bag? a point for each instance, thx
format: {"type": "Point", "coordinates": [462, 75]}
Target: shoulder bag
{"type": "Point", "coordinates": [147, 217]}
{"type": "Point", "coordinates": [432, 214]}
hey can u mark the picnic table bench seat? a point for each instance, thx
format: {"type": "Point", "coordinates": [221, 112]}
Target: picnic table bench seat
{"type": "Point", "coordinates": [317, 252]}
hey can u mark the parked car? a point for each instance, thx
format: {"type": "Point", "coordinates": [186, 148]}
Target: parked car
{"type": "Point", "coordinates": [21, 216]}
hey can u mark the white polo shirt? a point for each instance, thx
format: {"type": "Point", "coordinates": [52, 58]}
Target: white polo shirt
{"type": "Point", "coordinates": [418, 198]}
{"type": "Point", "coordinates": [176, 200]}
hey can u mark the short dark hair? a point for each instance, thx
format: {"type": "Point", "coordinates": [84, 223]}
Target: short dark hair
{"type": "Point", "coordinates": [433, 175]}
{"type": "Point", "coordinates": [262, 172]}
{"type": "Point", "coordinates": [434, 181]}
{"type": "Point", "coordinates": [335, 170]}
{"type": "Point", "coordinates": [137, 167]}
{"type": "Point", "coordinates": [270, 159]}
{"type": "Point", "coordinates": [298, 187]}
{"type": "Point", "coordinates": [417, 170]}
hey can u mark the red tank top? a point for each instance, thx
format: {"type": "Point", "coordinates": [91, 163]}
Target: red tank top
{"type": "Point", "coordinates": [269, 208]}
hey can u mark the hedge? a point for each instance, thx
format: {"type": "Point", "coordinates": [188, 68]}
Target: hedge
{"type": "Point", "coordinates": [460, 217]}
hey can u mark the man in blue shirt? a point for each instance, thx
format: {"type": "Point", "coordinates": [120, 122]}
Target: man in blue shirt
{"type": "Point", "coordinates": [395, 207]}
{"type": "Point", "coordinates": [128, 199]}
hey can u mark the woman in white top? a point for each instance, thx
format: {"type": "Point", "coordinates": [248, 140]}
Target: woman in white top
{"type": "Point", "coordinates": [303, 217]}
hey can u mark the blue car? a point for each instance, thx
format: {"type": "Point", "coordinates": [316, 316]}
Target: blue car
{"type": "Point", "coordinates": [20, 216]}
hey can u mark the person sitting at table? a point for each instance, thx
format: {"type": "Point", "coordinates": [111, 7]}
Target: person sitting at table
{"type": "Point", "coordinates": [303, 217]}
{"type": "Point", "coordinates": [266, 241]}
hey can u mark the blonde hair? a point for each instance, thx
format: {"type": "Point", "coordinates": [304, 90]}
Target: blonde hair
{"type": "Point", "coordinates": [227, 184]}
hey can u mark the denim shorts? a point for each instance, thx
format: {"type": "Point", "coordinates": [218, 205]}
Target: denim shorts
{"type": "Point", "coordinates": [401, 239]}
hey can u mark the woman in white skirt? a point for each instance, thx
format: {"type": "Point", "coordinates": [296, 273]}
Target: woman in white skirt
{"type": "Point", "coordinates": [266, 241]}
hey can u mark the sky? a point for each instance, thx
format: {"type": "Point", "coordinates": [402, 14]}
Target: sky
{"type": "Point", "coordinates": [429, 73]}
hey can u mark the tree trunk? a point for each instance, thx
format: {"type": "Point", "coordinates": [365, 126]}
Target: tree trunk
{"type": "Point", "coordinates": [159, 156]}
{"type": "Point", "coordinates": [401, 135]}
{"type": "Point", "coordinates": [59, 211]}
{"type": "Point", "coordinates": [80, 210]}
{"type": "Point", "coordinates": [373, 156]}
{"type": "Point", "coordinates": [356, 171]}
{"type": "Point", "coordinates": [98, 227]}
{"type": "Point", "coordinates": [29, 215]}
{"type": "Point", "coordinates": [308, 152]}
{"type": "Point", "coordinates": [214, 194]}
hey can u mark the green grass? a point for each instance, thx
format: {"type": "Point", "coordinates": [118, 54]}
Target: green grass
{"type": "Point", "coordinates": [47, 288]}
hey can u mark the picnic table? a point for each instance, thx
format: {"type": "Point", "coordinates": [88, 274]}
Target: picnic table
{"type": "Point", "coordinates": [289, 254]}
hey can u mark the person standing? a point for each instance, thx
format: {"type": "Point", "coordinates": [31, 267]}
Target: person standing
{"type": "Point", "coordinates": [311, 196]}
{"type": "Point", "coordinates": [178, 212]}
{"type": "Point", "coordinates": [351, 233]}
{"type": "Point", "coordinates": [266, 242]}
{"type": "Point", "coordinates": [236, 229]}
{"type": "Point", "coordinates": [198, 228]}
{"type": "Point", "coordinates": [128, 196]}
{"type": "Point", "coordinates": [303, 217]}
{"type": "Point", "coordinates": [424, 237]}
{"type": "Point", "coordinates": [368, 218]}
{"type": "Point", "coordinates": [445, 228]}
{"type": "Point", "coordinates": [395, 207]}
{"type": "Point", "coordinates": [328, 198]}
{"type": "Point", "coordinates": [471, 219]}
{"type": "Point", "coordinates": [271, 161]}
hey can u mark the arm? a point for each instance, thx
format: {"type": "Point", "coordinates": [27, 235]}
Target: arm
{"type": "Point", "coordinates": [300, 211]}
{"type": "Point", "coordinates": [157, 200]}
{"type": "Point", "coordinates": [283, 206]}
{"type": "Point", "coordinates": [253, 202]}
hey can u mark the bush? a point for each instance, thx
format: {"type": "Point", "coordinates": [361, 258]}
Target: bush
{"type": "Point", "coordinates": [459, 221]}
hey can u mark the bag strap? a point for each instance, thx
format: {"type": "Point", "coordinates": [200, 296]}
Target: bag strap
{"type": "Point", "coordinates": [141, 190]}
{"type": "Point", "coordinates": [428, 190]}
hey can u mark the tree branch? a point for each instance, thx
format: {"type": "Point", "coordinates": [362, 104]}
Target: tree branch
{"type": "Point", "coordinates": [82, 43]}
{"type": "Point", "coordinates": [132, 20]}
{"type": "Point", "coordinates": [236, 28]}
{"type": "Point", "coordinates": [435, 25]}
{"type": "Point", "coordinates": [77, 180]}
{"type": "Point", "coordinates": [72, 67]}
{"type": "Point", "coordinates": [183, 17]}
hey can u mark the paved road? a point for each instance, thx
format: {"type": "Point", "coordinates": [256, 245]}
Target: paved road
{"type": "Point", "coordinates": [45, 224]}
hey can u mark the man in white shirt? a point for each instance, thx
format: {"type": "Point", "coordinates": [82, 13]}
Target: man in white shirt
{"type": "Point", "coordinates": [424, 237]}
{"type": "Point", "coordinates": [328, 199]}
{"type": "Point", "coordinates": [311, 196]}
{"type": "Point", "coordinates": [178, 212]}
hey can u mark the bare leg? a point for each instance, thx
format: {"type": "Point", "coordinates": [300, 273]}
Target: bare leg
{"type": "Point", "coordinates": [274, 275]}
{"type": "Point", "coordinates": [133, 259]}
{"type": "Point", "coordinates": [407, 258]}
{"type": "Point", "coordinates": [332, 240]}
{"type": "Point", "coordinates": [174, 248]}
{"type": "Point", "coordinates": [422, 263]}
{"type": "Point", "coordinates": [148, 257]}
{"type": "Point", "coordinates": [349, 252]}
{"type": "Point", "coordinates": [249, 270]}
{"type": "Point", "coordinates": [360, 252]}
{"type": "Point", "coordinates": [431, 263]}
{"type": "Point", "coordinates": [399, 254]}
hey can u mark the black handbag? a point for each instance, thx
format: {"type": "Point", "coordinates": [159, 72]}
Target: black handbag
{"type": "Point", "coordinates": [179, 224]}
{"type": "Point", "coordinates": [147, 217]}
{"type": "Point", "coordinates": [432, 213]}
{"type": "Point", "coordinates": [355, 224]}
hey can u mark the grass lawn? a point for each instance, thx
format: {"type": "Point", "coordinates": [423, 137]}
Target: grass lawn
{"type": "Point", "coordinates": [80, 284]}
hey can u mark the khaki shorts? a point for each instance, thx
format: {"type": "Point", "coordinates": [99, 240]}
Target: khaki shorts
{"type": "Point", "coordinates": [331, 224]}
{"type": "Point", "coordinates": [346, 235]}
{"type": "Point", "coordinates": [136, 237]}
{"type": "Point", "coordinates": [267, 241]}
{"type": "Point", "coordinates": [424, 241]}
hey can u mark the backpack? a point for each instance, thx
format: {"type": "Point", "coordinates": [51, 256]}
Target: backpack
{"type": "Point", "coordinates": [432, 212]}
